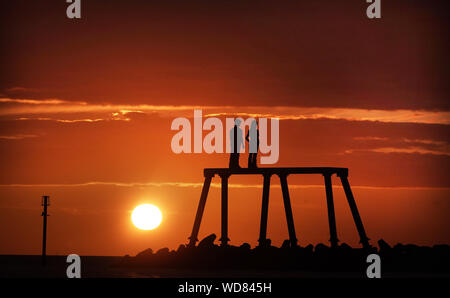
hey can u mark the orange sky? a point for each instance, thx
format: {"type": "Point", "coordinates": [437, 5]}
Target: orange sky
{"type": "Point", "coordinates": [86, 107]}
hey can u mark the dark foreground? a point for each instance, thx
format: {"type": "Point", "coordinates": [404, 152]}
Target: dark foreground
{"type": "Point", "coordinates": [210, 261]}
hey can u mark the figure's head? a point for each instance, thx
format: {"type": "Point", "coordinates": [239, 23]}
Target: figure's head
{"type": "Point", "coordinates": [237, 122]}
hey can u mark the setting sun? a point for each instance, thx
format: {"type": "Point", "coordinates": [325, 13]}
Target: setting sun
{"type": "Point", "coordinates": [146, 217]}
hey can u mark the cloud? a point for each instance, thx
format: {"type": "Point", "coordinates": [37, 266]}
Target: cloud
{"type": "Point", "coordinates": [369, 138]}
{"type": "Point", "coordinates": [388, 116]}
{"type": "Point", "coordinates": [404, 145]}
{"type": "Point", "coordinates": [72, 120]}
{"type": "Point", "coordinates": [424, 141]}
{"type": "Point", "coordinates": [214, 185]}
{"type": "Point", "coordinates": [51, 101]}
{"type": "Point", "coordinates": [408, 150]}
{"type": "Point", "coordinates": [405, 140]}
{"type": "Point", "coordinates": [57, 106]}
{"type": "Point", "coordinates": [21, 90]}
{"type": "Point", "coordinates": [18, 137]}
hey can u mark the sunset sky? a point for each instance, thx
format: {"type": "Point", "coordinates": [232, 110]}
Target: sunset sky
{"type": "Point", "coordinates": [86, 108]}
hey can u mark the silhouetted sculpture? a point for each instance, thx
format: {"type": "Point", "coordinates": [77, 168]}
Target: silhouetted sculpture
{"type": "Point", "coordinates": [282, 173]}
{"type": "Point", "coordinates": [236, 142]}
{"type": "Point", "coordinates": [253, 143]}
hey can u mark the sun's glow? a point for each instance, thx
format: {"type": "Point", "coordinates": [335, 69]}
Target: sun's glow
{"type": "Point", "coordinates": [146, 217]}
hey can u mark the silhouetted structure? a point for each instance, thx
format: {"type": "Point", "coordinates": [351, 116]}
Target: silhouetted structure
{"type": "Point", "coordinates": [252, 138]}
{"type": "Point", "coordinates": [282, 173]}
{"type": "Point", "coordinates": [45, 202]}
{"type": "Point", "coordinates": [236, 142]}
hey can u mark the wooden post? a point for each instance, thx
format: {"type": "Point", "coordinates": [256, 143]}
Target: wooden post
{"type": "Point", "coordinates": [288, 210]}
{"type": "Point", "coordinates": [201, 207]}
{"type": "Point", "coordinates": [330, 205]}
{"type": "Point", "coordinates": [351, 202]}
{"type": "Point", "coordinates": [224, 239]}
{"type": "Point", "coordinates": [327, 172]}
{"type": "Point", "coordinates": [264, 211]}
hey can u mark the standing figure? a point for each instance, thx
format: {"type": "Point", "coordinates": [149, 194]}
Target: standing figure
{"type": "Point", "coordinates": [236, 142]}
{"type": "Point", "coordinates": [253, 139]}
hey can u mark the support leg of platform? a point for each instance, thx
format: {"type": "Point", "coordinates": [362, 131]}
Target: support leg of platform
{"type": "Point", "coordinates": [288, 210]}
{"type": "Point", "coordinates": [351, 202]}
{"type": "Point", "coordinates": [224, 239]}
{"type": "Point", "coordinates": [201, 207]}
{"type": "Point", "coordinates": [264, 212]}
{"type": "Point", "coordinates": [330, 205]}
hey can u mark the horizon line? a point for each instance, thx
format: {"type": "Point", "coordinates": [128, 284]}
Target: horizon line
{"type": "Point", "coordinates": [214, 185]}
